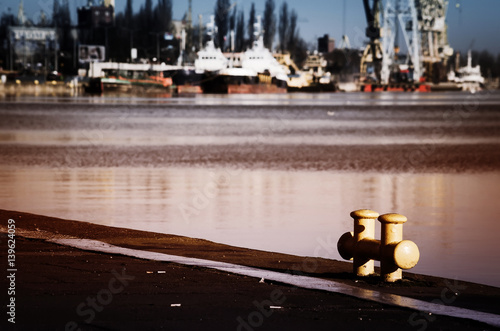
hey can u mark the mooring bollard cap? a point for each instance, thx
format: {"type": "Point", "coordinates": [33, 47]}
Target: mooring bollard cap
{"type": "Point", "coordinates": [345, 246]}
{"type": "Point", "coordinates": [364, 213]}
{"type": "Point", "coordinates": [406, 254]}
{"type": "Point", "coordinates": [392, 218]}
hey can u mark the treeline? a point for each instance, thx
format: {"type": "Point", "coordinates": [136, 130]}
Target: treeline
{"type": "Point", "coordinates": [144, 30]}
{"type": "Point", "coordinates": [228, 18]}
{"type": "Point", "coordinates": [490, 66]}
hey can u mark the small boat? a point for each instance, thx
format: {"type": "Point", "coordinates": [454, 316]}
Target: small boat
{"type": "Point", "coordinates": [127, 77]}
{"type": "Point", "coordinates": [469, 78]}
{"type": "Point", "coordinates": [313, 77]}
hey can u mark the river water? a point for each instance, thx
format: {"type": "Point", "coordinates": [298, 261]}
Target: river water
{"type": "Point", "coordinates": [276, 173]}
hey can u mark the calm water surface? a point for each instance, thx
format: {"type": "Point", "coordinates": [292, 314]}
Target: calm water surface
{"type": "Point", "coordinates": [453, 216]}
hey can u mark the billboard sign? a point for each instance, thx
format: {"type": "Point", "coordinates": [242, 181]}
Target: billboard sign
{"type": "Point", "coordinates": [32, 34]}
{"type": "Point", "coordinates": [91, 53]}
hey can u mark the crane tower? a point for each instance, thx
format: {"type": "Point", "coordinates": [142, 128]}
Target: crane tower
{"type": "Point", "coordinates": [423, 28]}
{"type": "Point", "coordinates": [400, 15]}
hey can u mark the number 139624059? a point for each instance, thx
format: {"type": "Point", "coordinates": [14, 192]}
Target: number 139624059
{"type": "Point", "coordinates": [11, 243]}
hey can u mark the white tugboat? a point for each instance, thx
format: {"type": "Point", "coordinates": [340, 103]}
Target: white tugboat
{"type": "Point", "coordinates": [262, 61]}
{"type": "Point", "coordinates": [469, 77]}
{"type": "Point", "coordinates": [210, 59]}
{"type": "Point", "coordinates": [259, 71]}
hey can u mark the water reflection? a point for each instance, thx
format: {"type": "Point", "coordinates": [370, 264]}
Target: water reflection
{"type": "Point", "coordinates": [299, 212]}
{"type": "Point", "coordinates": [306, 99]}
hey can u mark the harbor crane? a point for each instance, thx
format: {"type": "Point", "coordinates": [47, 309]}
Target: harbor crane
{"type": "Point", "coordinates": [423, 28]}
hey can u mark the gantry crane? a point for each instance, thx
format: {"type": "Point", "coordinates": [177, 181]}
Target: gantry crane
{"type": "Point", "coordinates": [424, 31]}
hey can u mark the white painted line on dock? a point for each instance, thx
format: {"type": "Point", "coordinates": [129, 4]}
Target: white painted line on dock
{"type": "Point", "coordinates": [295, 280]}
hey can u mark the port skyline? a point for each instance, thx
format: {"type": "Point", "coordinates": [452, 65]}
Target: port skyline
{"type": "Point", "coordinates": [471, 26]}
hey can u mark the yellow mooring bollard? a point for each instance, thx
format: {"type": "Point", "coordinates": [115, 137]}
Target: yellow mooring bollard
{"type": "Point", "coordinates": [392, 251]}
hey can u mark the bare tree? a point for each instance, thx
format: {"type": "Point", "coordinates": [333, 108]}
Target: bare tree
{"type": "Point", "coordinates": [292, 31]}
{"type": "Point", "coordinates": [129, 12]}
{"type": "Point", "coordinates": [221, 13]}
{"type": "Point", "coordinates": [251, 22]}
{"type": "Point", "coordinates": [55, 13]}
{"type": "Point", "coordinates": [283, 27]}
{"type": "Point", "coordinates": [269, 24]}
{"type": "Point", "coordinates": [148, 13]}
{"type": "Point", "coordinates": [163, 16]}
{"type": "Point", "coordinates": [61, 16]}
{"type": "Point", "coordinates": [240, 32]}
{"type": "Point", "coordinates": [232, 19]}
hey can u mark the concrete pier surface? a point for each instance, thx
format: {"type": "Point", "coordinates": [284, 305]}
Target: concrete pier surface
{"type": "Point", "coordinates": [58, 287]}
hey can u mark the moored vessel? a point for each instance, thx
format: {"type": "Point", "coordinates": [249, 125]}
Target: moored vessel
{"type": "Point", "coordinates": [256, 72]}
{"type": "Point", "coordinates": [468, 78]}
{"type": "Point", "coordinates": [127, 77]}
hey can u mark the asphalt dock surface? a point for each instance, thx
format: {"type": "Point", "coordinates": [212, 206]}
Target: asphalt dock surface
{"type": "Point", "coordinates": [62, 288]}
